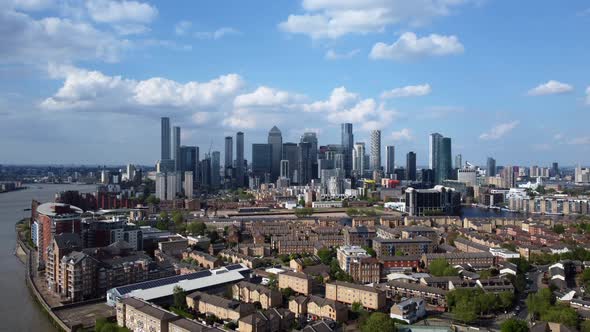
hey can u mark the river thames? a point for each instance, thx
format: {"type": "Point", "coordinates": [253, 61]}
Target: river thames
{"type": "Point", "coordinates": [18, 310]}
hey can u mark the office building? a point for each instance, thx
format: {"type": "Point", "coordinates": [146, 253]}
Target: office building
{"type": "Point", "coordinates": [161, 186]}
{"type": "Point", "coordinates": [312, 139]}
{"type": "Point", "coordinates": [440, 157]}
{"type": "Point", "coordinates": [508, 177]}
{"type": "Point", "coordinates": [347, 139]}
{"type": "Point", "coordinates": [389, 160]}
{"type": "Point", "coordinates": [438, 200]}
{"type": "Point", "coordinates": [376, 150]}
{"type": "Point", "coordinates": [284, 169]}
{"type": "Point", "coordinates": [188, 184]}
{"type": "Point", "coordinates": [240, 169]}
{"type": "Point", "coordinates": [411, 166]}
{"type": "Point", "coordinates": [459, 161]}
{"type": "Point", "coordinates": [554, 169]}
{"type": "Point", "coordinates": [275, 139]}
{"type": "Point", "coordinates": [358, 158]}
{"type": "Point", "coordinates": [262, 161]}
{"type": "Point", "coordinates": [176, 147]}
{"type": "Point", "coordinates": [173, 182]}
{"type": "Point", "coordinates": [491, 167]}
{"type": "Point", "coordinates": [291, 154]}
{"type": "Point", "coordinates": [467, 176]}
{"type": "Point", "coordinates": [205, 172]}
{"type": "Point", "coordinates": [304, 173]}
{"type": "Point", "coordinates": [215, 169]}
{"type": "Point", "coordinates": [187, 159]}
{"type": "Point", "coordinates": [229, 156]}
{"type": "Point", "coordinates": [165, 141]}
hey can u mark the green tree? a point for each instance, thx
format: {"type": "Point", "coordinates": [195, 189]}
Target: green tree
{"type": "Point", "coordinates": [326, 255]}
{"type": "Point", "coordinates": [213, 236]}
{"type": "Point", "coordinates": [164, 215]}
{"type": "Point", "coordinates": [179, 297]}
{"type": "Point", "coordinates": [378, 322]}
{"type": "Point", "coordinates": [559, 229]}
{"type": "Point", "coordinates": [177, 217]}
{"type": "Point", "coordinates": [152, 200]}
{"type": "Point", "coordinates": [370, 251]}
{"type": "Point", "coordinates": [287, 292]}
{"type": "Point", "coordinates": [561, 314]}
{"type": "Point", "coordinates": [303, 212]}
{"type": "Point", "coordinates": [514, 325]}
{"type": "Point", "coordinates": [301, 202]}
{"type": "Point", "coordinates": [356, 307]}
{"type": "Point", "coordinates": [440, 268]}
{"type": "Point", "coordinates": [506, 299]}
{"type": "Point", "coordinates": [585, 326]}
{"type": "Point", "coordinates": [196, 228]}
{"type": "Point", "coordinates": [464, 311]}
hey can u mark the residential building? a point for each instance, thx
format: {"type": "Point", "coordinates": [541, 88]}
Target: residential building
{"type": "Point", "coordinates": [491, 167]}
{"type": "Point", "coordinates": [250, 293]}
{"type": "Point", "coordinates": [411, 166]}
{"type": "Point", "coordinates": [389, 160]}
{"type": "Point", "coordinates": [52, 219]}
{"type": "Point", "coordinates": [409, 310]}
{"type": "Point", "coordinates": [396, 247]}
{"type": "Point", "coordinates": [358, 236]}
{"type": "Point", "coordinates": [137, 315]}
{"type": "Point", "coordinates": [475, 259]}
{"type": "Point", "coordinates": [347, 139]}
{"type": "Point", "coordinates": [369, 297]}
{"type": "Point", "coordinates": [316, 307]}
{"type": "Point", "coordinates": [365, 270]}
{"type": "Point", "coordinates": [299, 282]}
{"type": "Point", "coordinates": [220, 307]}
{"type": "Point", "coordinates": [345, 255]}
{"type": "Point", "coordinates": [271, 320]}
{"type": "Point", "coordinates": [376, 150]}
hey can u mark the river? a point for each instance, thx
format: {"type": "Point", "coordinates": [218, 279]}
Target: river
{"type": "Point", "coordinates": [18, 311]}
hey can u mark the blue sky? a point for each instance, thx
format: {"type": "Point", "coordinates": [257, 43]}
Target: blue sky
{"type": "Point", "coordinates": [86, 81]}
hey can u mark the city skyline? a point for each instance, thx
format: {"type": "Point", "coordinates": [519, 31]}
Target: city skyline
{"type": "Point", "coordinates": [409, 75]}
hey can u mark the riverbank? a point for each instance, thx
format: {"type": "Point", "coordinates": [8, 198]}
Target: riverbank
{"type": "Point", "coordinates": [13, 190]}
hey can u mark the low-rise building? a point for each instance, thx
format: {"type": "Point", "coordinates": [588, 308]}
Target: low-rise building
{"type": "Point", "coordinates": [391, 247]}
{"type": "Point", "coordinates": [344, 292]}
{"type": "Point", "coordinates": [432, 295]}
{"type": "Point", "coordinates": [345, 255]}
{"type": "Point", "coordinates": [220, 307]}
{"type": "Point", "coordinates": [399, 263]}
{"type": "Point", "coordinates": [137, 315]}
{"type": "Point", "coordinates": [299, 282]}
{"type": "Point", "coordinates": [187, 325]}
{"type": "Point", "coordinates": [315, 307]}
{"type": "Point", "coordinates": [203, 259]}
{"type": "Point", "coordinates": [365, 270]}
{"type": "Point", "coordinates": [250, 293]}
{"type": "Point", "coordinates": [271, 320]}
{"type": "Point", "coordinates": [358, 236]}
{"type": "Point", "coordinates": [408, 310]}
{"type": "Point", "coordinates": [475, 259]}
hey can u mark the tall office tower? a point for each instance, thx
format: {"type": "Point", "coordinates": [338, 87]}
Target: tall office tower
{"type": "Point", "coordinates": [240, 159]}
{"type": "Point", "coordinates": [284, 169]}
{"type": "Point", "coordinates": [215, 168]}
{"type": "Point", "coordinates": [291, 153]}
{"type": "Point", "coordinates": [275, 139]}
{"type": "Point", "coordinates": [411, 166]}
{"type": "Point", "coordinates": [389, 159]}
{"type": "Point", "coordinates": [312, 139]}
{"type": "Point", "coordinates": [165, 142]}
{"type": "Point", "coordinates": [347, 140]}
{"type": "Point", "coordinates": [358, 158]}
{"type": "Point", "coordinates": [188, 184]}
{"type": "Point", "coordinates": [130, 172]}
{"type": "Point", "coordinates": [508, 177]}
{"type": "Point", "coordinates": [176, 146]}
{"type": "Point", "coordinates": [187, 161]}
{"type": "Point", "coordinates": [229, 156]}
{"type": "Point", "coordinates": [376, 150]}
{"type": "Point", "coordinates": [459, 161]}
{"type": "Point", "coordinates": [491, 167]}
{"type": "Point", "coordinates": [305, 163]}
{"type": "Point", "coordinates": [262, 159]}
{"type": "Point", "coordinates": [161, 186]}
{"type": "Point", "coordinates": [205, 172]}
{"type": "Point", "coordinates": [440, 157]}
{"type": "Point", "coordinates": [554, 169]}
{"type": "Point", "coordinates": [172, 185]}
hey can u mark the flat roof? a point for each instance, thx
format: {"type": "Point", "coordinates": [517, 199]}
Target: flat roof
{"type": "Point", "coordinates": [48, 209]}
{"type": "Point", "coordinates": [154, 289]}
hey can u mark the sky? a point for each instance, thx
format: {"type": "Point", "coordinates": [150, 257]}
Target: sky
{"type": "Point", "coordinates": [86, 82]}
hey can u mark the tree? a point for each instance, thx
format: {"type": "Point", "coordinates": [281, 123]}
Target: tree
{"type": "Point", "coordinates": [356, 307]}
{"type": "Point", "coordinates": [440, 268]}
{"type": "Point", "coordinates": [326, 256]}
{"type": "Point", "coordinates": [559, 229]}
{"type": "Point", "coordinates": [152, 200]}
{"type": "Point", "coordinates": [303, 212]}
{"type": "Point", "coordinates": [179, 298]}
{"type": "Point", "coordinates": [196, 228]}
{"type": "Point", "coordinates": [370, 251]}
{"type": "Point", "coordinates": [514, 325]}
{"type": "Point", "coordinates": [464, 311]}
{"type": "Point", "coordinates": [213, 236]}
{"type": "Point", "coordinates": [178, 218]}
{"type": "Point", "coordinates": [506, 299]}
{"type": "Point", "coordinates": [302, 202]}
{"type": "Point", "coordinates": [287, 292]}
{"type": "Point", "coordinates": [378, 322]}
{"type": "Point", "coordinates": [164, 215]}
{"type": "Point", "coordinates": [585, 326]}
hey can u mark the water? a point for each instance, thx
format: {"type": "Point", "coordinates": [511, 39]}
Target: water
{"type": "Point", "coordinates": [18, 311]}
{"type": "Point", "coordinates": [478, 212]}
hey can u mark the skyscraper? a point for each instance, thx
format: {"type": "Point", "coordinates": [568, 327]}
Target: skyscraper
{"type": "Point", "coordinates": [188, 184]}
{"type": "Point", "coordinates": [440, 157]}
{"type": "Point", "coordinates": [312, 139]}
{"type": "Point", "coordinates": [411, 166]}
{"type": "Point", "coordinates": [275, 139]}
{"type": "Point", "coordinates": [215, 168]}
{"type": "Point", "coordinates": [459, 161]}
{"type": "Point", "coordinates": [305, 163]}
{"type": "Point", "coordinates": [205, 172]}
{"type": "Point", "coordinates": [176, 147]}
{"type": "Point", "coordinates": [228, 157]}
{"type": "Point", "coordinates": [491, 167]}
{"type": "Point", "coordinates": [358, 158]}
{"type": "Point", "coordinates": [240, 159]}
{"type": "Point", "coordinates": [262, 159]}
{"type": "Point", "coordinates": [389, 159]}
{"type": "Point", "coordinates": [284, 169]}
{"type": "Point", "coordinates": [161, 186]}
{"type": "Point", "coordinates": [291, 153]}
{"type": "Point", "coordinates": [187, 161]}
{"type": "Point", "coordinates": [347, 140]}
{"type": "Point", "coordinates": [165, 141]}
{"type": "Point", "coordinates": [376, 150]}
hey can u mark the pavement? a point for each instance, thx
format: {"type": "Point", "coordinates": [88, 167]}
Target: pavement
{"type": "Point", "coordinates": [85, 315]}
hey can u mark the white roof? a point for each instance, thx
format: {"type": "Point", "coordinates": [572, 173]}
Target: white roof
{"type": "Point", "coordinates": [48, 209]}
{"type": "Point", "coordinates": [274, 270]}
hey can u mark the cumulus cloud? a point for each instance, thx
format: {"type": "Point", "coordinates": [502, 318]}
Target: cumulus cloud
{"type": "Point", "coordinates": [403, 134]}
{"type": "Point", "coordinates": [336, 18]}
{"type": "Point", "coordinates": [29, 40]}
{"type": "Point", "coordinates": [217, 34]}
{"type": "Point", "coordinates": [499, 131]}
{"type": "Point", "coordinates": [333, 55]}
{"type": "Point", "coordinates": [95, 91]}
{"type": "Point", "coordinates": [408, 91]}
{"type": "Point", "coordinates": [409, 46]}
{"type": "Point", "coordinates": [552, 87]}
{"type": "Point", "coordinates": [240, 119]}
{"type": "Point", "coordinates": [182, 27]}
{"type": "Point", "coordinates": [110, 11]}
{"type": "Point", "coordinates": [339, 98]}
{"type": "Point", "coordinates": [267, 97]}
{"type": "Point", "coordinates": [588, 95]}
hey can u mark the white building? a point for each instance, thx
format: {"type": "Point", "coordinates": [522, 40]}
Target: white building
{"type": "Point", "coordinates": [161, 186]}
{"type": "Point", "coordinates": [188, 184]}
{"type": "Point", "coordinates": [467, 176]}
{"type": "Point", "coordinates": [172, 185]}
{"type": "Point", "coordinates": [345, 254]}
{"type": "Point", "coordinates": [409, 310]}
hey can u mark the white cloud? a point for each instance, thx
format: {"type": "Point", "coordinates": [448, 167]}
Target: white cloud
{"type": "Point", "coordinates": [240, 119]}
{"type": "Point", "coordinates": [336, 18]}
{"type": "Point", "coordinates": [201, 118]}
{"type": "Point", "coordinates": [499, 131]}
{"type": "Point", "coordinates": [403, 134]}
{"type": "Point", "coordinates": [580, 141]}
{"type": "Point", "coordinates": [588, 95]}
{"type": "Point", "coordinates": [182, 27]}
{"type": "Point", "coordinates": [333, 55]}
{"type": "Point", "coordinates": [52, 39]}
{"type": "Point", "coordinates": [94, 91]}
{"type": "Point", "coordinates": [217, 34]}
{"type": "Point", "coordinates": [552, 87]}
{"type": "Point", "coordinates": [110, 11]}
{"type": "Point", "coordinates": [339, 98]}
{"type": "Point", "coordinates": [266, 97]}
{"type": "Point", "coordinates": [409, 47]}
{"type": "Point", "coordinates": [408, 91]}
